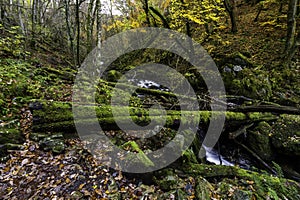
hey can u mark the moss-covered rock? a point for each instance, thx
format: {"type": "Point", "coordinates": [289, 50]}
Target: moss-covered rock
{"type": "Point", "coordinates": [113, 76]}
{"type": "Point", "coordinates": [249, 82]}
{"type": "Point", "coordinates": [203, 189]}
{"type": "Point", "coordinates": [259, 141]}
{"type": "Point", "coordinates": [234, 189]}
{"type": "Point", "coordinates": [286, 135]}
{"type": "Point", "coordinates": [259, 185]}
{"type": "Point", "coordinates": [189, 156]}
{"type": "Point", "coordinates": [172, 184]}
{"type": "Point", "coordinates": [168, 182]}
{"type": "Point", "coordinates": [140, 158]}
{"type": "Point", "coordinates": [54, 143]}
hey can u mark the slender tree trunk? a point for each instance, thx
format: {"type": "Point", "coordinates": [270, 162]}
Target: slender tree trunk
{"type": "Point", "coordinates": [111, 14]}
{"type": "Point", "coordinates": [10, 8]}
{"type": "Point", "coordinates": [258, 13]}
{"type": "Point", "coordinates": [33, 22]}
{"type": "Point", "coordinates": [78, 34]}
{"type": "Point", "coordinates": [162, 18]}
{"type": "Point", "coordinates": [69, 32]}
{"type": "Point", "coordinates": [89, 26]}
{"type": "Point", "coordinates": [146, 9]}
{"type": "Point", "coordinates": [94, 22]}
{"type": "Point", "coordinates": [231, 9]}
{"type": "Point", "coordinates": [99, 24]}
{"type": "Point", "coordinates": [43, 14]}
{"type": "Point", "coordinates": [290, 44]}
{"type": "Point", "coordinates": [40, 13]}
{"type": "Point", "coordinates": [20, 17]}
{"type": "Point", "coordinates": [2, 11]}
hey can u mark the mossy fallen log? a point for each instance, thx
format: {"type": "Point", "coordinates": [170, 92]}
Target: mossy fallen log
{"type": "Point", "coordinates": [268, 108]}
{"type": "Point", "coordinates": [51, 116]}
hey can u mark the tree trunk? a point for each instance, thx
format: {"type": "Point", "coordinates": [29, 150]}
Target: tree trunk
{"type": "Point", "coordinates": [291, 43]}
{"type": "Point", "coordinates": [33, 22]}
{"type": "Point", "coordinates": [20, 17]}
{"type": "Point", "coordinates": [2, 11]}
{"type": "Point", "coordinates": [78, 34]}
{"type": "Point", "coordinates": [89, 26]}
{"type": "Point", "coordinates": [230, 7]}
{"type": "Point", "coordinates": [58, 117]}
{"type": "Point", "coordinates": [146, 9]}
{"type": "Point", "coordinates": [99, 23]}
{"type": "Point", "coordinates": [69, 32]}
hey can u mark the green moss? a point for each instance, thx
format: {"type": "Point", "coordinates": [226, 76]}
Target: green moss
{"type": "Point", "coordinates": [256, 116]}
{"type": "Point", "coordinates": [169, 182]}
{"type": "Point", "coordinates": [113, 76]}
{"type": "Point", "coordinates": [11, 135]}
{"type": "Point", "coordinates": [242, 195]}
{"type": "Point", "coordinates": [258, 139]}
{"type": "Point", "coordinates": [203, 188]}
{"type": "Point", "coordinates": [167, 179]}
{"type": "Point", "coordinates": [189, 156]}
{"type": "Point", "coordinates": [252, 83]}
{"type": "Point", "coordinates": [54, 143]}
{"type": "Point", "coordinates": [260, 182]}
{"type": "Point", "coordinates": [205, 116]}
{"type": "Point", "coordinates": [285, 135]}
{"type": "Point", "coordinates": [140, 157]}
{"type": "Point", "coordinates": [235, 116]}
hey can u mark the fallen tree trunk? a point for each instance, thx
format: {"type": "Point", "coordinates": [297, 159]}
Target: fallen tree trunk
{"type": "Point", "coordinates": [268, 108]}
{"type": "Point", "coordinates": [59, 117]}
{"type": "Point", "coordinates": [206, 100]}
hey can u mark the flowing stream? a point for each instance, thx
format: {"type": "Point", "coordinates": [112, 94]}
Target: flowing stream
{"type": "Point", "coordinates": [212, 155]}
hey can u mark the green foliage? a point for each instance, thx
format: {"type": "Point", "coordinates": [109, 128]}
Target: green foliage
{"type": "Point", "coordinates": [103, 94]}
{"type": "Point", "coordinates": [21, 81]}
{"type": "Point", "coordinates": [12, 42]}
{"type": "Point", "coordinates": [286, 84]}
{"type": "Point", "coordinates": [278, 170]}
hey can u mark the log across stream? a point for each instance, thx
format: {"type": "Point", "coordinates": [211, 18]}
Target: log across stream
{"type": "Point", "coordinates": [57, 117]}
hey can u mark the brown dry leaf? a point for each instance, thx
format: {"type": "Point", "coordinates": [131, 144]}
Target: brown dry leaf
{"type": "Point", "coordinates": [61, 166]}
{"type": "Point", "coordinates": [6, 169]}
{"type": "Point", "coordinates": [86, 192]}
{"type": "Point", "coordinates": [98, 191]}
{"type": "Point", "coordinates": [81, 186]}
{"type": "Point", "coordinates": [68, 180]}
{"type": "Point", "coordinates": [30, 178]}
{"type": "Point", "coordinates": [123, 190]}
